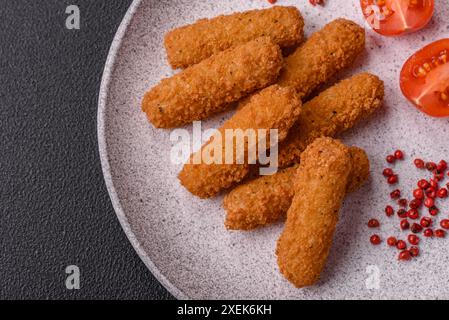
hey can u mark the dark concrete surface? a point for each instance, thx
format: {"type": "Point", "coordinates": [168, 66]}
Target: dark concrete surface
{"type": "Point", "coordinates": [54, 207]}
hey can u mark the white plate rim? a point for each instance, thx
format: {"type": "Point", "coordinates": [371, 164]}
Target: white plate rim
{"type": "Point", "coordinates": [103, 150]}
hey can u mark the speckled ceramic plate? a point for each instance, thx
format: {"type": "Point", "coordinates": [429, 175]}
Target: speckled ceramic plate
{"type": "Point", "coordinates": [182, 239]}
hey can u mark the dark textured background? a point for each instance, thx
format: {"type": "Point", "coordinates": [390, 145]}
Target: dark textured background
{"type": "Point", "coordinates": [55, 210]}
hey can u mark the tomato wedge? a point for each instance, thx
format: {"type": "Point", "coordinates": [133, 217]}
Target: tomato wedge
{"type": "Point", "coordinates": [395, 17]}
{"type": "Point", "coordinates": [425, 79]}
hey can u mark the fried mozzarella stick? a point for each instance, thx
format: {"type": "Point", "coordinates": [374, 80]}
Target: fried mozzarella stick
{"type": "Point", "coordinates": [193, 43]}
{"type": "Point", "coordinates": [326, 52]}
{"type": "Point", "coordinates": [272, 108]}
{"type": "Point", "coordinates": [320, 186]}
{"type": "Point", "coordinates": [334, 111]}
{"type": "Point", "coordinates": [210, 86]}
{"type": "Point", "coordinates": [266, 200]}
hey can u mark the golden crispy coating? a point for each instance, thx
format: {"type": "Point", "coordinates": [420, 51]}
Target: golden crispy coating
{"type": "Point", "coordinates": [360, 169]}
{"type": "Point", "coordinates": [272, 108]}
{"type": "Point", "coordinates": [335, 110]}
{"type": "Point", "coordinates": [191, 44]}
{"type": "Point", "coordinates": [265, 200]}
{"type": "Point", "coordinates": [320, 186]}
{"type": "Point", "coordinates": [326, 52]}
{"type": "Point", "coordinates": [259, 202]}
{"type": "Point", "coordinates": [210, 86]}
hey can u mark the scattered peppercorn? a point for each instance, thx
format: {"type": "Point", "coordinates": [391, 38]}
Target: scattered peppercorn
{"type": "Point", "coordinates": [403, 202]}
{"type": "Point", "coordinates": [402, 213]}
{"type": "Point", "coordinates": [444, 224]}
{"type": "Point", "coordinates": [396, 194]}
{"type": "Point", "coordinates": [428, 194]}
{"type": "Point", "coordinates": [426, 222]}
{"type": "Point", "coordinates": [431, 166]}
{"type": "Point", "coordinates": [399, 155]}
{"type": "Point", "coordinates": [423, 184]}
{"type": "Point", "coordinates": [387, 172]}
{"type": "Point", "coordinates": [315, 2]}
{"type": "Point", "coordinates": [373, 223]}
{"type": "Point", "coordinates": [375, 239]}
{"type": "Point", "coordinates": [393, 179]}
{"type": "Point", "coordinates": [401, 245]}
{"type": "Point", "coordinates": [416, 228]}
{"type": "Point", "coordinates": [413, 214]}
{"type": "Point", "coordinates": [391, 241]}
{"type": "Point", "coordinates": [415, 204]}
{"type": "Point", "coordinates": [405, 255]}
{"type": "Point", "coordinates": [418, 194]}
{"type": "Point", "coordinates": [440, 233]}
{"type": "Point", "coordinates": [404, 224]}
{"type": "Point", "coordinates": [442, 193]}
{"type": "Point", "coordinates": [419, 163]}
{"type": "Point", "coordinates": [389, 211]}
{"type": "Point", "coordinates": [413, 239]}
{"type": "Point", "coordinates": [414, 251]}
{"type": "Point", "coordinates": [428, 233]}
{"type": "Point", "coordinates": [434, 211]}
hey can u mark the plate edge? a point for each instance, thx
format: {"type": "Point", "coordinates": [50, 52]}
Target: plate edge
{"type": "Point", "coordinates": [104, 159]}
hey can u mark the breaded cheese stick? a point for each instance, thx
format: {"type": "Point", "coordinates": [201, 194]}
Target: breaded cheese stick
{"type": "Point", "coordinates": [210, 86]}
{"type": "Point", "coordinates": [272, 108]}
{"type": "Point", "coordinates": [265, 200]}
{"type": "Point", "coordinates": [193, 43]}
{"type": "Point", "coordinates": [334, 111]}
{"type": "Point", "coordinates": [320, 186]}
{"type": "Point", "coordinates": [326, 52]}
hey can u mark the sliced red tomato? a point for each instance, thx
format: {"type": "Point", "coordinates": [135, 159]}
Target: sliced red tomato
{"type": "Point", "coordinates": [395, 17]}
{"type": "Point", "coordinates": [425, 79]}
